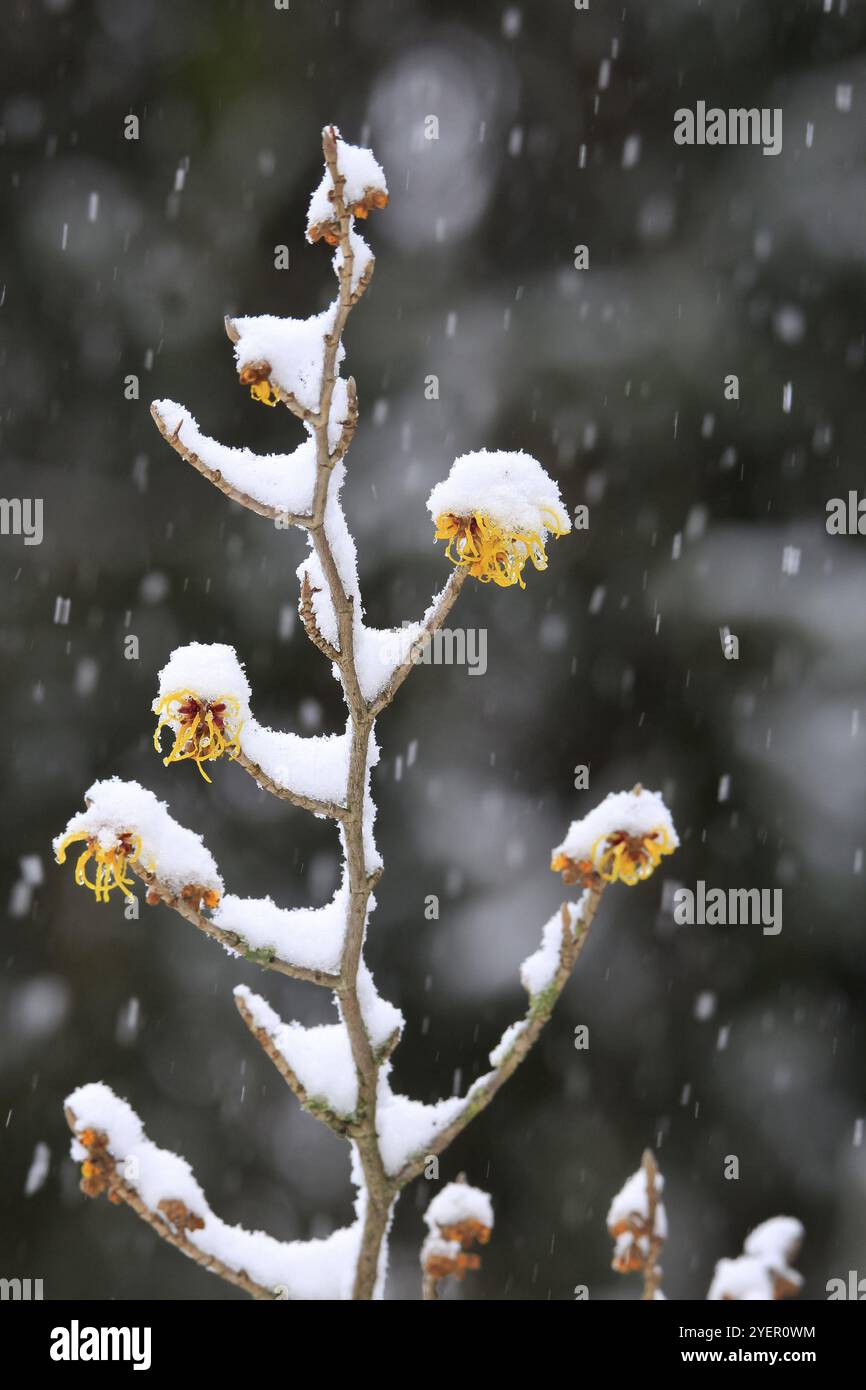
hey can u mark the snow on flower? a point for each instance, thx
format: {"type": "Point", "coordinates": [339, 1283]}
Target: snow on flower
{"type": "Point", "coordinates": [284, 353]}
{"type": "Point", "coordinates": [457, 1217]}
{"type": "Point", "coordinates": [364, 189]}
{"type": "Point", "coordinates": [284, 482]}
{"type": "Point", "coordinates": [110, 862]}
{"type": "Point", "coordinates": [109, 1138]}
{"type": "Point", "coordinates": [764, 1270]}
{"type": "Point", "coordinates": [457, 1205]}
{"type": "Point", "coordinates": [624, 838]}
{"type": "Point", "coordinates": [204, 699]}
{"type": "Point", "coordinates": [631, 1203]}
{"type": "Point", "coordinates": [496, 511]}
{"type": "Point", "coordinates": [125, 824]}
{"type": "Point", "coordinates": [628, 1221]}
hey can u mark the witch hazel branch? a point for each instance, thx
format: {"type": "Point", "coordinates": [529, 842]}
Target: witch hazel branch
{"type": "Point", "coordinates": [638, 1225]}
{"type": "Point", "coordinates": [495, 512]}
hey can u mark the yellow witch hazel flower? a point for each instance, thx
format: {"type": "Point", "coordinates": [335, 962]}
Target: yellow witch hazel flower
{"type": "Point", "coordinates": [111, 853]}
{"type": "Point", "coordinates": [258, 378]}
{"type": "Point", "coordinates": [204, 700]}
{"type": "Point", "coordinates": [125, 828]}
{"type": "Point", "coordinates": [623, 840]}
{"type": "Point", "coordinates": [496, 511]}
{"type": "Point", "coordinates": [204, 730]}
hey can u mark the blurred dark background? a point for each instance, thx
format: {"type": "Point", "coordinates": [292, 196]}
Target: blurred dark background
{"type": "Point", "coordinates": [119, 257]}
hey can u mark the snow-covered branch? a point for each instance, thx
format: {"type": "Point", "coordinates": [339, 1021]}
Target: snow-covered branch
{"type": "Point", "coordinates": [429, 626]}
{"type": "Point", "coordinates": [496, 513]}
{"type": "Point", "coordinates": [279, 486]}
{"type": "Point", "coordinates": [638, 1226]}
{"type": "Point", "coordinates": [118, 1159]}
{"type": "Point", "coordinates": [316, 1063]}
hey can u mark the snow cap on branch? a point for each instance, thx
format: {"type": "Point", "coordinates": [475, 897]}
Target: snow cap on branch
{"type": "Point", "coordinates": [623, 838]}
{"type": "Point", "coordinates": [284, 482]}
{"type": "Point", "coordinates": [310, 938]}
{"type": "Point", "coordinates": [631, 1204]}
{"type": "Point", "coordinates": [539, 969]}
{"type": "Point", "coordinates": [364, 189]}
{"type": "Point", "coordinates": [314, 766]}
{"type": "Point", "coordinates": [382, 1019]}
{"type": "Point", "coordinates": [319, 1057]}
{"type": "Point", "coordinates": [362, 261]}
{"type": "Point", "coordinates": [508, 1041]}
{"type": "Point", "coordinates": [406, 1127]}
{"type": "Point", "coordinates": [123, 823]}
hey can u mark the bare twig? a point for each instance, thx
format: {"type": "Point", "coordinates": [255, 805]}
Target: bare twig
{"type": "Point", "coordinates": [308, 618]}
